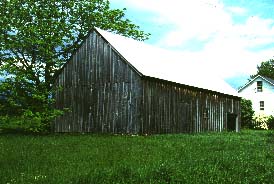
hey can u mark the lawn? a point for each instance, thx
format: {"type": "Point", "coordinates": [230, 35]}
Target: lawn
{"type": "Point", "coordinates": [246, 157]}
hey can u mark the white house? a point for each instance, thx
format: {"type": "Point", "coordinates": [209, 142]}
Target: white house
{"type": "Point", "coordinates": [260, 91]}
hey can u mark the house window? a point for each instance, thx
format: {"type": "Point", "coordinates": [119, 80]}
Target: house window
{"type": "Point", "coordinates": [259, 86]}
{"type": "Point", "coordinates": [262, 105]}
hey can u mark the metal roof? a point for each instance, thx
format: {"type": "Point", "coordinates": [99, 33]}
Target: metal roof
{"type": "Point", "coordinates": [165, 64]}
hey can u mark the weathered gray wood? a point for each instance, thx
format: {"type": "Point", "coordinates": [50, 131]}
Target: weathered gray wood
{"type": "Point", "coordinates": [98, 88]}
{"type": "Point", "coordinates": [188, 107]}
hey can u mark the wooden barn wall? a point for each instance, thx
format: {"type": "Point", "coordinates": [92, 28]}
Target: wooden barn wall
{"type": "Point", "coordinates": [100, 91]}
{"type": "Point", "coordinates": [172, 108]}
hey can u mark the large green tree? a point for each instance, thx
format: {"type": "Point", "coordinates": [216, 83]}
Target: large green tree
{"type": "Point", "coordinates": [266, 69]}
{"type": "Point", "coordinates": [38, 36]}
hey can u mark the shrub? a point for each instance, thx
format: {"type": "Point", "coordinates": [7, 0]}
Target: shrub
{"type": "Point", "coordinates": [26, 107]}
{"type": "Point", "coordinates": [260, 121]}
{"type": "Point", "coordinates": [29, 121]}
{"type": "Point", "coordinates": [247, 113]}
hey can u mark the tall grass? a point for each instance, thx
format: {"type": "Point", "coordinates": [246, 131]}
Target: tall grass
{"type": "Point", "coordinates": [246, 157]}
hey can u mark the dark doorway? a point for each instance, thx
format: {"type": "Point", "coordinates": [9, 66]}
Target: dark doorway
{"type": "Point", "coordinates": [231, 122]}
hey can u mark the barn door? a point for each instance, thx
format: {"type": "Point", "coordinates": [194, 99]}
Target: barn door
{"type": "Point", "coordinates": [231, 121]}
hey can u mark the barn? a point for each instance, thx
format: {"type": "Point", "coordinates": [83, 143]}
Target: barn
{"type": "Point", "coordinates": [114, 84]}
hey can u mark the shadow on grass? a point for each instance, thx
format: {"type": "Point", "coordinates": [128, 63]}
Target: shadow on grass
{"type": "Point", "coordinates": [20, 131]}
{"type": "Point", "coordinates": [270, 136]}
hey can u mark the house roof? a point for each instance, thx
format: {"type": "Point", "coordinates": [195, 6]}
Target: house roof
{"type": "Point", "coordinates": [168, 65]}
{"type": "Point", "coordinates": [271, 81]}
{"type": "Point", "coordinates": [267, 79]}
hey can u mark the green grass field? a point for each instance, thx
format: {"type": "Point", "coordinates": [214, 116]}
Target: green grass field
{"type": "Point", "coordinates": [246, 157]}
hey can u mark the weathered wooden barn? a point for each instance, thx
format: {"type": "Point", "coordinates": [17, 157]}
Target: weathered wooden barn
{"type": "Point", "coordinates": [108, 90]}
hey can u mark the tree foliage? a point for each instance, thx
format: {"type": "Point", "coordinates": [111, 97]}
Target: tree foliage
{"type": "Point", "coordinates": [270, 122]}
{"type": "Point", "coordinates": [266, 69]}
{"type": "Point", "coordinates": [247, 113]}
{"type": "Point", "coordinates": [38, 36]}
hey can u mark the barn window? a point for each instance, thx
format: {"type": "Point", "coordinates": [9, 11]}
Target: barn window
{"type": "Point", "coordinates": [259, 86]}
{"type": "Point", "coordinates": [206, 113]}
{"type": "Point", "coordinates": [262, 105]}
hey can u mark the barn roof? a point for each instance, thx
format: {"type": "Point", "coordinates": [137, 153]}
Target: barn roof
{"type": "Point", "coordinates": [164, 64]}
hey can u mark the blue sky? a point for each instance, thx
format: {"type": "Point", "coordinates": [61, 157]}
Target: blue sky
{"type": "Point", "coordinates": [229, 37]}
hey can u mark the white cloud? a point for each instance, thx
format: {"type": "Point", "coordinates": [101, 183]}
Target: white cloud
{"type": "Point", "coordinates": [237, 10]}
{"type": "Point", "coordinates": [190, 19]}
{"type": "Point", "coordinates": [227, 43]}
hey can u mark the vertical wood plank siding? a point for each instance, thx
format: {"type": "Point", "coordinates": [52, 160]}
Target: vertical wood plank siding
{"type": "Point", "coordinates": [100, 90]}
{"type": "Point", "coordinates": [105, 94]}
{"type": "Point", "coordinates": [174, 108]}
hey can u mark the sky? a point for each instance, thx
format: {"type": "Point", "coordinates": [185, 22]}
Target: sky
{"type": "Point", "coordinates": [228, 38]}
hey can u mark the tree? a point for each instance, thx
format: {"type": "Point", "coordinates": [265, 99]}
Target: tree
{"type": "Point", "coordinates": [38, 36]}
{"type": "Point", "coordinates": [247, 113]}
{"type": "Point", "coordinates": [266, 69]}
